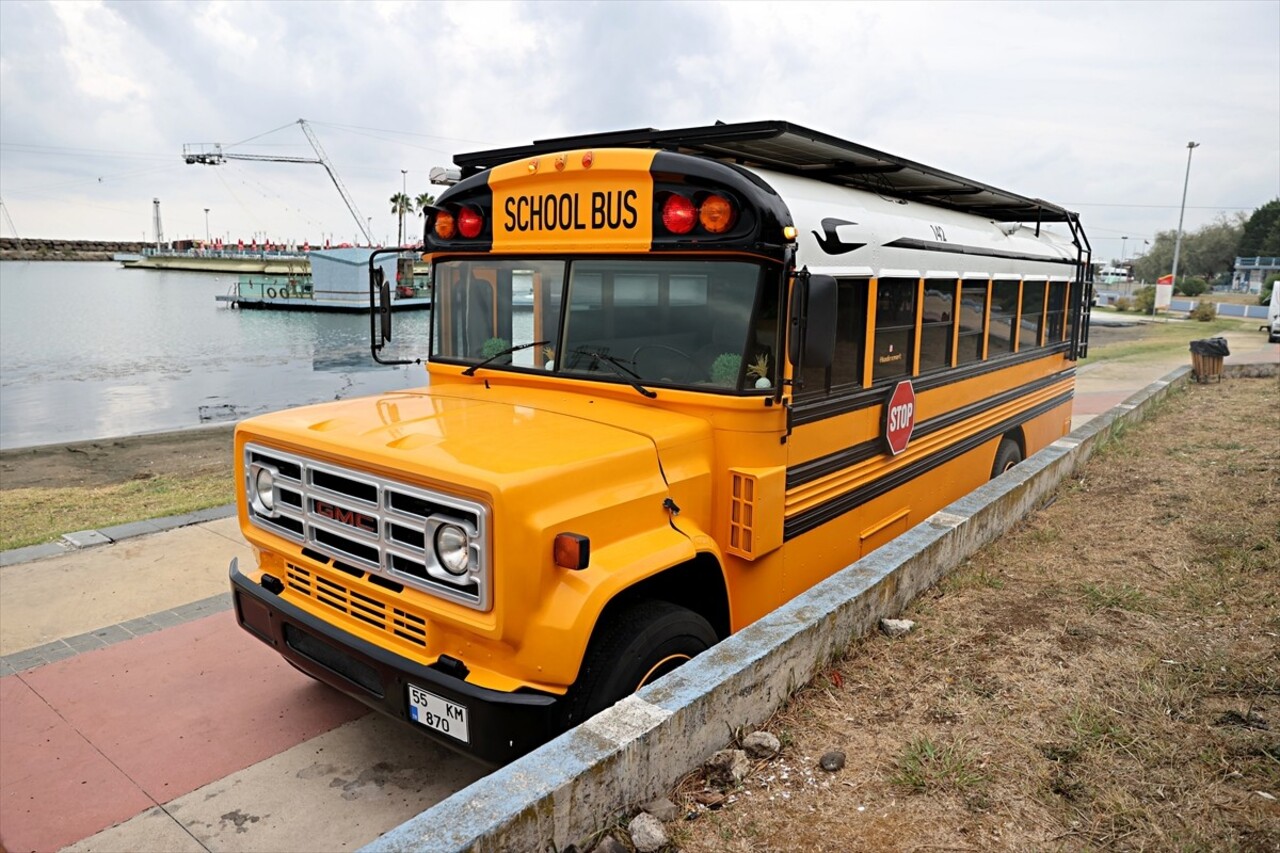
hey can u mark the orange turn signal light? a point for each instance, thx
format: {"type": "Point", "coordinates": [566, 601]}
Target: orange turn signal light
{"type": "Point", "coordinates": [717, 214]}
{"type": "Point", "coordinates": [572, 551]}
{"type": "Point", "coordinates": [445, 225]}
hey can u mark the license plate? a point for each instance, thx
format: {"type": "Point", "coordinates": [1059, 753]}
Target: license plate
{"type": "Point", "coordinates": [434, 712]}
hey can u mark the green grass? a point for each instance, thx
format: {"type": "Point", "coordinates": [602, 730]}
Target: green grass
{"type": "Point", "coordinates": [925, 766]}
{"type": "Point", "coordinates": [1106, 597]}
{"type": "Point", "coordinates": [1161, 338]}
{"type": "Point", "coordinates": [35, 515]}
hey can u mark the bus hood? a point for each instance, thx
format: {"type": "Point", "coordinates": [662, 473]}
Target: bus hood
{"type": "Point", "coordinates": [486, 441]}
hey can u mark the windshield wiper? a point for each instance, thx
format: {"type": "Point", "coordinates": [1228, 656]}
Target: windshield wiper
{"type": "Point", "coordinates": [470, 371]}
{"type": "Point", "coordinates": [619, 367]}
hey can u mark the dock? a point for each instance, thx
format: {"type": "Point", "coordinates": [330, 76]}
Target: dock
{"type": "Point", "coordinates": [334, 280]}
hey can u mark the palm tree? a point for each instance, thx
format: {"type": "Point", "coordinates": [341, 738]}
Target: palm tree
{"type": "Point", "coordinates": [400, 205]}
{"type": "Point", "coordinates": [422, 202]}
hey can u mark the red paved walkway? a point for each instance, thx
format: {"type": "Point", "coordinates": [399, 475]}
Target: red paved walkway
{"type": "Point", "coordinates": [95, 739]}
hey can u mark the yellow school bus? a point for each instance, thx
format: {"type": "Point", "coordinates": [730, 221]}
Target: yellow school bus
{"type": "Point", "coordinates": [675, 379]}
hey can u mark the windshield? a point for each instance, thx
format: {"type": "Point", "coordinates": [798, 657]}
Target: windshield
{"type": "Point", "coordinates": [709, 325]}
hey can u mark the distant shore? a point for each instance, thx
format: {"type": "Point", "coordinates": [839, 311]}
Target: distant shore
{"type": "Point", "coordinates": [15, 249]}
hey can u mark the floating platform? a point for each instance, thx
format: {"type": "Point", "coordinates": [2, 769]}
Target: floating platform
{"type": "Point", "coordinates": [337, 281]}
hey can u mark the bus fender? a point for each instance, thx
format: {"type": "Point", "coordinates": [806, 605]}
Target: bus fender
{"type": "Point", "coordinates": [661, 563]}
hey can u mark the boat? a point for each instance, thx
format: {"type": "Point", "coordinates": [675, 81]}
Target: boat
{"type": "Point", "coordinates": [272, 260]}
{"type": "Point", "coordinates": [338, 281]}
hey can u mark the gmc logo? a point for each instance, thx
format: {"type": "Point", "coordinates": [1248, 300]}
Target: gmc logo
{"type": "Point", "coordinates": [351, 518]}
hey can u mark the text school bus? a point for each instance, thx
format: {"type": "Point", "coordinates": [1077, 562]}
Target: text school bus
{"type": "Point", "coordinates": [676, 378]}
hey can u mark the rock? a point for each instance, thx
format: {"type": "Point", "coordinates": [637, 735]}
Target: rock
{"type": "Point", "coordinates": [761, 745]}
{"type": "Point", "coordinates": [609, 844]}
{"type": "Point", "coordinates": [647, 833]}
{"type": "Point", "coordinates": [727, 768]}
{"type": "Point", "coordinates": [896, 627]}
{"type": "Point", "coordinates": [832, 761]}
{"type": "Point", "coordinates": [663, 809]}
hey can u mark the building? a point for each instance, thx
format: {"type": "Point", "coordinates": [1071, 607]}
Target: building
{"type": "Point", "coordinates": [1251, 273]}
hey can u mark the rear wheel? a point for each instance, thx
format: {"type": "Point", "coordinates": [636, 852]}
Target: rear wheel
{"type": "Point", "coordinates": [637, 646]}
{"type": "Point", "coordinates": [1008, 455]}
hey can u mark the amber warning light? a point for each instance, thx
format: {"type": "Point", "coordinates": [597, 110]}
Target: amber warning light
{"type": "Point", "coordinates": [572, 551]}
{"type": "Point", "coordinates": [445, 226]}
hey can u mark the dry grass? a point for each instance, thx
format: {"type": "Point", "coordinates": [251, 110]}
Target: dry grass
{"type": "Point", "coordinates": [1106, 676]}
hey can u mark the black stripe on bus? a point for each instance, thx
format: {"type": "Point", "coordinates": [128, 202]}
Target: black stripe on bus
{"type": "Point", "coordinates": [972, 251]}
{"type": "Point", "coordinates": [822, 466]}
{"type": "Point", "coordinates": [811, 410]}
{"type": "Point", "coordinates": [838, 506]}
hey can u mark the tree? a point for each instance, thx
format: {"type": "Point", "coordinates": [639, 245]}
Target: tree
{"type": "Point", "coordinates": [400, 205]}
{"type": "Point", "coordinates": [422, 202]}
{"type": "Point", "coordinates": [1261, 234]}
{"type": "Point", "coordinates": [1211, 251]}
{"type": "Point", "coordinates": [1206, 253]}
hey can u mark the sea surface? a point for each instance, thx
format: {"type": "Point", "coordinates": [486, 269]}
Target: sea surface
{"type": "Point", "coordinates": [93, 350]}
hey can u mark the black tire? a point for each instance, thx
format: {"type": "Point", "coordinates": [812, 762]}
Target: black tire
{"type": "Point", "coordinates": [638, 645]}
{"type": "Point", "coordinates": [1008, 455]}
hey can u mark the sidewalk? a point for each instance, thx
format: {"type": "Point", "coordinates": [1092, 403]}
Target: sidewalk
{"type": "Point", "coordinates": [138, 716]}
{"type": "Point", "coordinates": [129, 691]}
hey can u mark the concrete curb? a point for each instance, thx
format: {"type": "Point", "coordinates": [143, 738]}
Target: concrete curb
{"type": "Point", "coordinates": [81, 539]}
{"type": "Point", "coordinates": [574, 786]}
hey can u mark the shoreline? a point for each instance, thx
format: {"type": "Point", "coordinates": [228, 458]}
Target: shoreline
{"type": "Point", "coordinates": [110, 461]}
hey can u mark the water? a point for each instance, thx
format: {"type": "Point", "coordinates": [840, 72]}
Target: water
{"type": "Point", "coordinates": [93, 350]}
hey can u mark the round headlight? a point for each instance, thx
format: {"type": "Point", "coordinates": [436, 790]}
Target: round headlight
{"type": "Point", "coordinates": [453, 549]}
{"type": "Point", "coordinates": [264, 483]}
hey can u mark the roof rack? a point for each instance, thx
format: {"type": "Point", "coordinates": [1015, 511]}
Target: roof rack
{"type": "Point", "coordinates": [786, 147]}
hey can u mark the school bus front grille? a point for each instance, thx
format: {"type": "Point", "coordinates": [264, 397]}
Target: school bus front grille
{"type": "Point", "coordinates": [368, 609]}
{"type": "Point", "coordinates": [383, 526]}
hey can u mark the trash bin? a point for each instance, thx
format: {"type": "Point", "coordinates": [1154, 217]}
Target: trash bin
{"type": "Point", "coordinates": [1206, 358]}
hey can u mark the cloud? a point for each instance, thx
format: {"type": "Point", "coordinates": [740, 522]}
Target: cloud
{"type": "Point", "coordinates": [1086, 104]}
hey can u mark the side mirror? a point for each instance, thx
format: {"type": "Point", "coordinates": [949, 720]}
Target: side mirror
{"type": "Point", "coordinates": [812, 341]}
{"type": "Point", "coordinates": [384, 303]}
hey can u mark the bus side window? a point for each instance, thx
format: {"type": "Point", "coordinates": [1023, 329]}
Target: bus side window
{"type": "Point", "coordinates": [1004, 309]}
{"type": "Point", "coordinates": [1057, 310]}
{"type": "Point", "coordinates": [973, 312]}
{"type": "Point", "coordinates": [1073, 293]}
{"type": "Point", "coordinates": [936, 320]}
{"type": "Point", "coordinates": [895, 328]}
{"type": "Point", "coordinates": [1032, 315]}
{"type": "Point", "coordinates": [845, 373]}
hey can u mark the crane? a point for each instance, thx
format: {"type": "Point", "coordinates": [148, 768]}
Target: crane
{"type": "Point", "coordinates": [211, 154]}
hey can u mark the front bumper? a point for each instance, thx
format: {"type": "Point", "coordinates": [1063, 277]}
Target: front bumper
{"type": "Point", "coordinates": [501, 726]}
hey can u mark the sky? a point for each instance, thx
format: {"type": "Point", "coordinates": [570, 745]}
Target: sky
{"type": "Point", "coordinates": [1089, 105]}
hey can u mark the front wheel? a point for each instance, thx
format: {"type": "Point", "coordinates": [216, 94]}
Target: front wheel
{"type": "Point", "coordinates": [1008, 455]}
{"type": "Point", "coordinates": [637, 646]}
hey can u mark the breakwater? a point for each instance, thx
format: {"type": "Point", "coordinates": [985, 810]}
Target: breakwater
{"type": "Point", "coordinates": [28, 249]}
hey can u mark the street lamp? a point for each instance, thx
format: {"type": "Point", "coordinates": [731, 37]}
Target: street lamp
{"type": "Point", "coordinates": [1177, 244]}
{"type": "Point", "coordinates": [1123, 241]}
{"type": "Point", "coordinates": [404, 196]}
{"type": "Point", "coordinates": [206, 225]}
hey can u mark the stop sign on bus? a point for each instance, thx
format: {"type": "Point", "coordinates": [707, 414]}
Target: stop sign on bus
{"type": "Point", "coordinates": [900, 417]}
